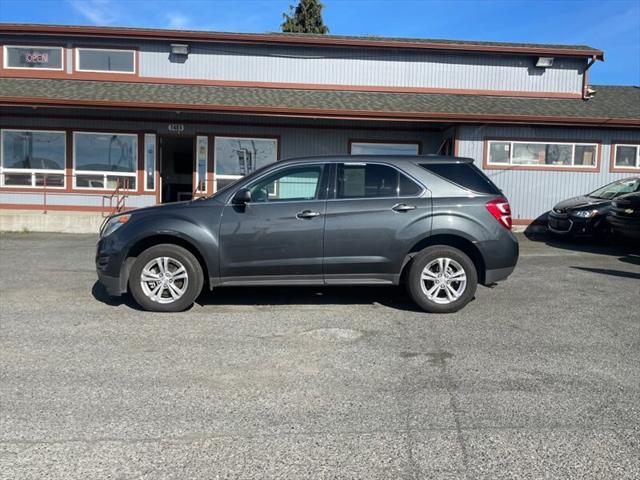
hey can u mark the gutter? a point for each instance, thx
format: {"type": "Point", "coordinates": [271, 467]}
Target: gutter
{"type": "Point", "coordinates": [585, 76]}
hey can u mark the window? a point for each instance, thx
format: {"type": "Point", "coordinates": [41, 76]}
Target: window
{"type": "Point", "coordinates": [542, 154]}
{"type": "Point", "coordinates": [33, 58]}
{"type": "Point", "coordinates": [105, 60]}
{"type": "Point", "coordinates": [149, 161]}
{"type": "Point", "coordinates": [615, 189]}
{"type": "Point", "coordinates": [105, 160]}
{"type": "Point", "coordinates": [33, 158]}
{"type": "Point", "coordinates": [202, 155]}
{"type": "Point", "coordinates": [296, 183]}
{"type": "Point", "coordinates": [359, 180]}
{"type": "Point", "coordinates": [464, 175]}
{"type": "Point", "coordinates": [236, 157]}
{"type": "Point", "coordinates": [364, 148]}
{"type": "Point", "coordinates": [627, 156]}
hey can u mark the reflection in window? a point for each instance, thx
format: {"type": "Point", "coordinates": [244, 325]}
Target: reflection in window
{"type": "Point", "coordinates": [105, 60]}
{"type": "Point", "coordinates": [627, 156]}
{"type": "Point", "coordinates": [296, 183]}
{"type": "Point", "coordinates": [236, 157]}
{"type": "Point", "coordinates": [364, 148]}
{"type": "Point", "coordinates": [97, 157]}
{"type": "Point", "coordinates": [33, 158]}
{"type": "Point", "coordinates": [551, 154]}
{"type": "Point", "coordinates": [150, 161]}
{"type": "Point", "coordinates": [202, 154]}
{"type": "Point", "coordinates": [373, 180]}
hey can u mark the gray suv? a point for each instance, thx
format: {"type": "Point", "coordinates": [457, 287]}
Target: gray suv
{"type": "Point", "coordinates": [436, 224]}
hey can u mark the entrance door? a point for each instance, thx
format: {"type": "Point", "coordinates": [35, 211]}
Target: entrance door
{"type": "Point", "coordinates": [278, 236]}
{"type": "Point", "coordinates": [176, 168]}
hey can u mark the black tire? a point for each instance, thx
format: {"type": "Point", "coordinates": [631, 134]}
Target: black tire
{"type": "Point", "coordinates": [424, 258]}
{"type": "Point", "coordinates": [181, 255]}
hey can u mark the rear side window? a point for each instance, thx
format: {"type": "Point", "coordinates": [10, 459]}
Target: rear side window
{"type": "Point", "coordinates": [464, 175]}
{"type": "Point", "coordinates": [360, 180]}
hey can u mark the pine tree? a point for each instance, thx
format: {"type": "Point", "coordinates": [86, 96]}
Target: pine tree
{"type": "Point", "coordinates": [306, 17]}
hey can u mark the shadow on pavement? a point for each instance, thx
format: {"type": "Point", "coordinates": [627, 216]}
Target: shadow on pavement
{"type": "Point", "coordinates": [608, 271]}
{"type": "Point", "coordinates": [388, 296]}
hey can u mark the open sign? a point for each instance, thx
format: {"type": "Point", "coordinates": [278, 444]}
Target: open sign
{"type": "Point", "coordinates": [36, 57]}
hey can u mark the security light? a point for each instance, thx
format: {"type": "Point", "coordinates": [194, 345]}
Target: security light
{"type": "Point", "coordinates": [179, 49]}
{"type": "Point", "coordinates": [544, 62]}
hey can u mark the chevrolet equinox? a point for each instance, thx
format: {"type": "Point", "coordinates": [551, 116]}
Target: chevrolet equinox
{"type": "Point", "coordinates": [435, 224]}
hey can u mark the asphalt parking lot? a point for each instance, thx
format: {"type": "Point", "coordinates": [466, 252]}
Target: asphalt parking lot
{"type": "Point", "coordinates": [537, 378]}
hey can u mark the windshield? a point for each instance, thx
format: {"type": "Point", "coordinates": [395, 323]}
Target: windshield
{"type": "Point", "coordinates": [615, 189]}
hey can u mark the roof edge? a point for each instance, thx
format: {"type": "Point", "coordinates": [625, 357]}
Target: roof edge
{"type": "Point", "coordinates": [280, 38]}
{"type": "Point", "coordinates": [330, 113]}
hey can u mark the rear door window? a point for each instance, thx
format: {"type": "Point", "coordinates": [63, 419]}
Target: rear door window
{"type": "Point", "coordinates": [464, 175]}
{"type": "Point", "coordinates": [371, 180]}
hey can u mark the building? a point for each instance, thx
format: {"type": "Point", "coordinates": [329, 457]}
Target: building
{"type": "Point", "coordinates": [93, 117]}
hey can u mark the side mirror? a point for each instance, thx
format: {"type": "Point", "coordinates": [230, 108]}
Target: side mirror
{"type": "Point", "coordinates": [241, 197]}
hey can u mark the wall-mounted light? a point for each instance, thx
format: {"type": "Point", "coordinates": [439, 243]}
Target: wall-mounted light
{"type": "Point", "coordinates": [179, 49]}
{"type": "Point", "coordinates": [544, 62]}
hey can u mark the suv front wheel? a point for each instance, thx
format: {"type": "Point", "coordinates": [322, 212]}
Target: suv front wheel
{"type": "Point", "coordinates": [442, 279]}
{"type": "Point", "coordinates": [166, 278]}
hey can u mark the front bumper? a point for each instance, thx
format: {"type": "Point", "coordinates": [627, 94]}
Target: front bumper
{"type": "Point", "coordinates": [572, 225]}
{"type": "Point", "coordinates": [109, 267]}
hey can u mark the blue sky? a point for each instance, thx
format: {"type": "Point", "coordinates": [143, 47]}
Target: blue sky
{"type": "Point", "coordinates": [611, 25]}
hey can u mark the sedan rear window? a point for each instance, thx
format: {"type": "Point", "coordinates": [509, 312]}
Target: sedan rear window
{"type": "Point", "coordinates": [464, 175]}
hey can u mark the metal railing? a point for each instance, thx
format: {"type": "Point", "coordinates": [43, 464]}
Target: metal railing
{"type": "Point", "coordinates": [57, 183]}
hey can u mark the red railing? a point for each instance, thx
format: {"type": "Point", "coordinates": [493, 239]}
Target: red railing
{"type": "Point", "coordinates": [112, 202]}
{"type": "Point", "coordinates": [117, 199]}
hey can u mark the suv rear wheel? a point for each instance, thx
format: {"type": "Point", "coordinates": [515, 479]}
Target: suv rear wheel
{"type": "Point", "coordinates": [442, 279]}
{"type": "Point", "coordinates": [165, 278]}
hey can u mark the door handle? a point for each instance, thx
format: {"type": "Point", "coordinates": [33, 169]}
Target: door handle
{"type": "Point", "coordinates": [308, 214]}
{"type": "Point", "coordinates": [403, 207]}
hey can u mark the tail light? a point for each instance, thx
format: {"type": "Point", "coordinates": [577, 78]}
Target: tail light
{"type": "Point", "coordinates": [500, 210]}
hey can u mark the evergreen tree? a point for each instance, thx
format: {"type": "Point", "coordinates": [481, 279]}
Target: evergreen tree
{"type": "Point", "coordinates": [306, 17]}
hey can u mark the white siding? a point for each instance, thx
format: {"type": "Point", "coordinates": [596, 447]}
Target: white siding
{"type": "Point", "coordinates": [533, 193]}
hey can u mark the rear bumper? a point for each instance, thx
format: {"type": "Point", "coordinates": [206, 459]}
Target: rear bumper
{"type": "Point", "coordinates": [499, 256]}
{"type": "Point", "coordinates": [497, 274]}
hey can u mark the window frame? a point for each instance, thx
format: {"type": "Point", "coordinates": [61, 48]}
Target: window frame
{"type": "Point", "coordinates": [334, 182]}
{"type": "Point", "coordinates": [77, 68]}
{"type": "Point", "coordinates": [352, 142]}
{"type": "Point", "coordinates": [324, 172]}
{"type": "Point", "coordinates": [488, 165]}
{"type": "Point", "coordinates": [105, 173]}
{"type": "Point", "coordinates": [32, 171]}
{"type": "Point", "coordinates": [5, 58]}
{"type": "Point", "coordinates": [217, 176]}
{"type": "Point", "coordinates": [614, 152]}
{"type": "Point", "coordinates": [150, 139]}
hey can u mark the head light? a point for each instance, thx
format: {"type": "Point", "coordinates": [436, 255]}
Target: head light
{"type": "Point", "coordinates": [585, 213]}
{"type": "Point", "coordinates": [113, 224]}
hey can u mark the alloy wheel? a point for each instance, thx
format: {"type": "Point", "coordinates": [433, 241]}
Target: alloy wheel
{"type": "Point", "coordinates": [164, 280]}
{"type": "Point", "coordinates": [443, 280]}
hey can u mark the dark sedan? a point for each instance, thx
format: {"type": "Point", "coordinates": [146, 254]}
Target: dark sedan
{"type": "Point", "coordinates": [587, 214]}
{"type": "Point", "coordinates": [624, 216]}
